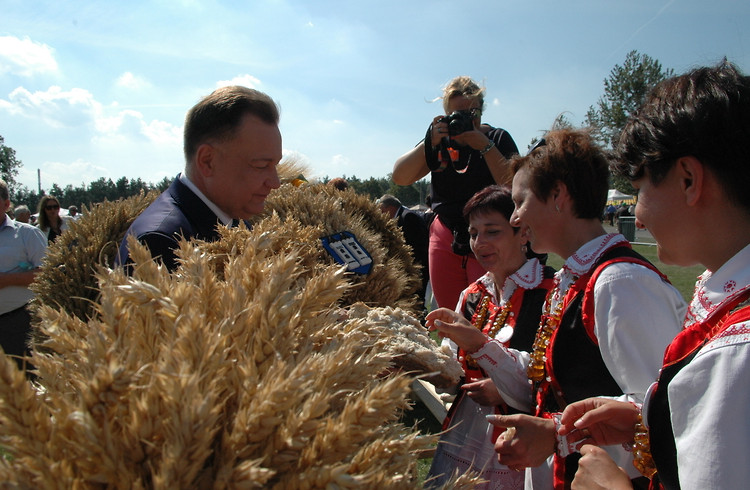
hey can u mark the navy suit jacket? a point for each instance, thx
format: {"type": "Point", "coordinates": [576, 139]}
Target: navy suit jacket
{"type": "Point", "coordinates": [176, 212]}
{"type": "Point", "coordinates": [416, 235]}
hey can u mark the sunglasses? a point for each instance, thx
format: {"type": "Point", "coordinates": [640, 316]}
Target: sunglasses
{"type": "Point", "coordinates": [50, 207]}
{"type": "Point", "coordinates": [542, 142]}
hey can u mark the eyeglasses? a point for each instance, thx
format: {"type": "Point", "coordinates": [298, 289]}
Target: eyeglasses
{"type": "Point", "coordinates": [542, 142]}
{"type": "Point", "coordinates": [50, 207]}
{"type": "Point", "coordinates": [474, 113]}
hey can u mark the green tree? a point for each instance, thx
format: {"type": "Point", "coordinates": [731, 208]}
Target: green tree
{"type": "Point", "coordinates": [624, 91]}
{"type": "Point", "coordinates": [163, 184]}
{"type": "Point", "coordinates": [9, 165]}
{"type": "Point", "coordinates": [23, 195]}
{"type": "Point", "coordinates": [560, 122]}
{"type": "Point", "coordinates": [410, 195]}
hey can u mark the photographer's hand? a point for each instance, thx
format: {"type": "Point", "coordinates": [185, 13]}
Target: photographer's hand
{"type": "Point", "coordinates": [439, 130]}
{"type": "Point", "coordinates": [496, 161]}
{"type": "Point", "coordinates": [475, 138]}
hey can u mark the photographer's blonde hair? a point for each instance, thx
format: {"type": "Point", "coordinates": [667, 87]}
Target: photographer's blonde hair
{"type": "Point", "coordinates": [465, 86]}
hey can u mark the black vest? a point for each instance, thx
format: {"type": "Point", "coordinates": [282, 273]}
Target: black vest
{"type": "Point", "coordinates": [577, 361]}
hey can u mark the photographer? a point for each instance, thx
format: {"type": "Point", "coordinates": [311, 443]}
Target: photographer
{"type": "Point", "coordinates": [463, 156]}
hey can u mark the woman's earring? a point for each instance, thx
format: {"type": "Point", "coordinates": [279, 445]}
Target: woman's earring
{"type": "Point", "coordinates": [557, 208]}
{"type": "Point", "coordinates": [525, 248]}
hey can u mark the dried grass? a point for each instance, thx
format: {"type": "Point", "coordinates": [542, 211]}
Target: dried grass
{"type": "Point", "coordinates": [238, 370]}
{"type": "Point", "coordinates": [67, 279]}
{"type": "Point", "coordinates": [394, 278]}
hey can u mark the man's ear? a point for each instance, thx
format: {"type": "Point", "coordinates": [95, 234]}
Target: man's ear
{"type": "Point", "coordinates": [691, 173]}
{"type": "Point", "coordinates": [204, 159]}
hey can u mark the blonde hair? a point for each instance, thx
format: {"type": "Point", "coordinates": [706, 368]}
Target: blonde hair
{"type": "Point", "coordinates": [463, 86]}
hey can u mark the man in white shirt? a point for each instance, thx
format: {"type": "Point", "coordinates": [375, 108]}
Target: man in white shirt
{"type": "Point", "coordinates": [22, 247]}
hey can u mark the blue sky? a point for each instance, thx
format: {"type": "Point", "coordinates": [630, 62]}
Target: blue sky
{"type": "Point", "coordinates": [100, 89]}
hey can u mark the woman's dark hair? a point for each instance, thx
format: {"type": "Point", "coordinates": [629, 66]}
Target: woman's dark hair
{"type": "Point", "coordinates": [704, 113]}
{"type": "Point", "coordinates": [497, 198]}
{"type": "Point", "coordinates": [573, 158]}
{"type": "Point", "coordinates": [491, 198]}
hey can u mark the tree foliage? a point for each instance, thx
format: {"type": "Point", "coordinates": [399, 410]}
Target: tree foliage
{"type": "Point", "coordinates": [624, 91]}
{"type": "Point", "coordinates": [85, 195]}
{"type": "Point", "coordinates": [373, 188]}
{"type": "Point", "coordinates": [9, 164]}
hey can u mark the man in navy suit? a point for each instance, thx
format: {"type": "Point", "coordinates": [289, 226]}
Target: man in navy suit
{"type": "Point", "coordinates": [416, 232]}
{"type": "Point", "coordinates": [232, 145]}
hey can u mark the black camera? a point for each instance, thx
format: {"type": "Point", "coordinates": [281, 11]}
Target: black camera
{"type": "Point", "coordinates": [459, 122]}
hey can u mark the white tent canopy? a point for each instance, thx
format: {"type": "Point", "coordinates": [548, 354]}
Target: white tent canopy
{"type": "Point", "coordinates": [615, 195]}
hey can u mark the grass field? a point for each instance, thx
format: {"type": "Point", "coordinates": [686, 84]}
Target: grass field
{"type": "Point", "coordinates": [682, 278]}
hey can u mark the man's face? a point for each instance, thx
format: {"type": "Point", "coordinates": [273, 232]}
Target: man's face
{"type": "Point", "coordinates": [389, 211]}
{"type": "Point", "coordinates": [241, 171]}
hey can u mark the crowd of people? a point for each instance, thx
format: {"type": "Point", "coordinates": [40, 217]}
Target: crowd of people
{"type": "Point", "coordinates": [597, 375]}
{"type": "Point", "coordinates": [625, 386]}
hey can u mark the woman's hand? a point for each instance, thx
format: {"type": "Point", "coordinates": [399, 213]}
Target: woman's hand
{"type": "Point", "coordinates": [450, 324]}
{"type": "Point", "coordinates": [484, 392]}
{"type": "Point", "coordinates": [475, 139]}
{"type": "Point", "coordinates": [439, 130]}
{"type": "Point", "coordinates": [597, 471]}
{"type": "Point", "coordinates": [608, 421]}
{"type": "Point", "coordinates": [533, 442]}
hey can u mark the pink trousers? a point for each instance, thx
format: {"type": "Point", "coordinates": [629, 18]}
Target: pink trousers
{"type": "Point", "coordinates": [449, 273]}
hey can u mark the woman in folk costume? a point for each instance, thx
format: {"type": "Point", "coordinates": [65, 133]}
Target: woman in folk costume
{"type": "Point", "coordinates": [504, 304]}
{"type": "Point", "coordinates": [686, 150]}
{"type": "Point", "coordinates": [597, 334]}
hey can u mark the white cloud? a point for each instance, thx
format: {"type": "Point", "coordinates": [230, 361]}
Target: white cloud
{"type": "Point", "coordinates": [56, 107]}
{"type": "Point", "coordinates": [339, 161]}
{"type": "Point", "coordinates": [77, 108]}
{"type": "Point", "coordinates": [25, 57]}
{"type": "Point", "coordinates": [246, 80]}
{"type": "Point", "coordinates": [129, 81]}
{"type": "Point", "coordinates": [131, 125]}
{"type": "Point", "coordinates": [76, 171]}
{"type": "Point", "coordinates": [496, 101]}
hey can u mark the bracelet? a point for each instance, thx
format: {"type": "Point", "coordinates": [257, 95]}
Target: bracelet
{"type": "Point", "coordinates": [642, 459]}
{"type": "Point", "coordinates": [563, 447]}
{"type": "Point", "coordinates": [487, 148]}
{"type": "Point", "coordinates": [470, 361]}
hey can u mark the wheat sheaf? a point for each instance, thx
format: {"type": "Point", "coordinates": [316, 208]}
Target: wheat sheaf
{"type": "Point", "coordinates": [238, 370]}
